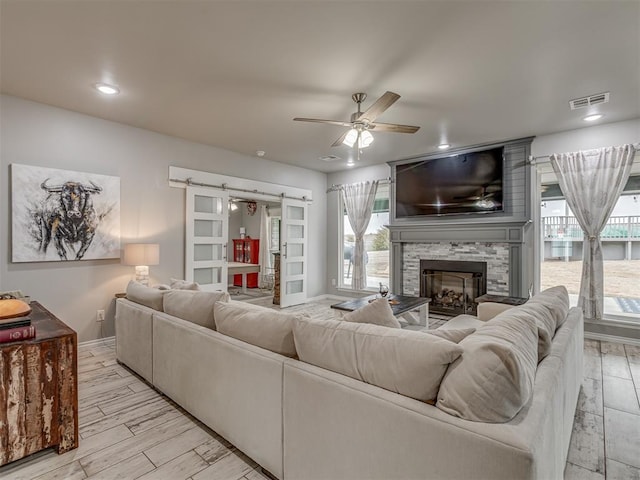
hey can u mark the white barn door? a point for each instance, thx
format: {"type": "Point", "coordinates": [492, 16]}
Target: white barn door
{"type": "Point", "coordinates": [293, 252]}
{"type": "Point", "coordinates": [207, 237]}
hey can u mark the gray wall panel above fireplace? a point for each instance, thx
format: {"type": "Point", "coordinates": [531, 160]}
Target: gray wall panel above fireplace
{"type": "Point", "coordinates": [517, 174]}
{"type": "Point", "coordinates": [513, 227]}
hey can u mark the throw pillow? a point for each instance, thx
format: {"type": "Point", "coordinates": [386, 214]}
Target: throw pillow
{"type": "Point", "coordinates": [147, 296]}
{"type": "Point", "coordinates": [194, 306]}
{"type": "Point", "coordinates": [259, 326]}
{"type": "Point", "coordinates": [402, 361]}
{"type": "Point", "coordinates": [377, 312]}
{"type": "Point", "coordinates": [455, 336]}
{"type": "Point", "coordinates": [494, 377]}
{"type": "Point", "coordinates": [178, 284]}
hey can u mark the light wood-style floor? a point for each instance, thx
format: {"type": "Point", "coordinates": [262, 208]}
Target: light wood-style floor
{"type": "Point", "coordinates": [130, 431]}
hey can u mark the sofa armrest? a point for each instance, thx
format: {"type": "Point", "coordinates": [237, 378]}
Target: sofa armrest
{"type": "Point", "coordinates": [488, 310]}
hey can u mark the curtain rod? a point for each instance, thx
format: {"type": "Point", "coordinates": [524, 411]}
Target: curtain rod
{"type": "Point", "coordinates": [546, 158]}
{"type": "Point", "coordinates": [340, 186]}
{"type": "Point", "coordinates": [224, 186]}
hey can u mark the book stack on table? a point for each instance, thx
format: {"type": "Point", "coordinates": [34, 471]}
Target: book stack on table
{"type": "Point", "coordinates": [15, 321]}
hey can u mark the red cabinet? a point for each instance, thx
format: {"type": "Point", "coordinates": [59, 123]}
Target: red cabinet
{"type": "Point", "coordinates": [246, 250]}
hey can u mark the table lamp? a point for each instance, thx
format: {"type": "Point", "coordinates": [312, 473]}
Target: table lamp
{"type": "Point", "coordinates": [141, 255]}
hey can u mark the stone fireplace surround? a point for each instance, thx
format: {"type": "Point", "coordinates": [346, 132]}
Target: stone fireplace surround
{"type": "Point", "coordinates": [501, 245]}
{"type": "Point", "coordinates": [496, 256]}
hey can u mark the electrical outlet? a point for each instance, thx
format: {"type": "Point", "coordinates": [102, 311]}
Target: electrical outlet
{"type": "Point", "coordinates": [100, 316]}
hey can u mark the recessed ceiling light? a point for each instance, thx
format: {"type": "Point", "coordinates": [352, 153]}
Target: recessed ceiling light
{"type": "Point", "coordinates": [260, 153]}
{"type": "Point", "coordinates": [107, 89]}
{"type": "Point", "coordinates": [443, 146]}
{"type": "Point", "coordinates": [593, 118]}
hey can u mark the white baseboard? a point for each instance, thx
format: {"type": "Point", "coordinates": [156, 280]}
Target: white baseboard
{"type": "Point", "coordinates": [93, 342]}
{"type": "Point", "coordinates": [330, 296]}
{"type": "Point", "coordinates": [611, 338]}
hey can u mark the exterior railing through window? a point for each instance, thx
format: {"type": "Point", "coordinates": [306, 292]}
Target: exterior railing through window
{"type": "Point", "coordinates": [565, 228]}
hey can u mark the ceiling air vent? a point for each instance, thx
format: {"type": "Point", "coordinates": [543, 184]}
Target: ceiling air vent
{"type": "Point", "coordinates": [582, 102]}
{"type": "Point", "coordinates": [330, 158]}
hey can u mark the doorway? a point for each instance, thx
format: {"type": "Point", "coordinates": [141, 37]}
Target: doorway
{"type": "Point", "coordinates": [207, 249]}
{"type": "Point", "coordinates": [254, 238]}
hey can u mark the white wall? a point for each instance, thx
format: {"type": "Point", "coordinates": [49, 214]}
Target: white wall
{"type": "Point", "coordinates": [40, 135]}
{"type": "Point", "coordinates": [596, 136]}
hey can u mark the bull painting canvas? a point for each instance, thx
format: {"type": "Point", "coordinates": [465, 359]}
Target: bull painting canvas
{"type": "Point", "coordinates": [60, 215]}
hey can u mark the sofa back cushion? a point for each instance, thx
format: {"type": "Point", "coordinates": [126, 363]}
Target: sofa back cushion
{"type": "Point", "coordinates": [178, 284]}
{"type": "Point", "coordinates": [259, 326]}
{"type": "Point", "coordinates": [494, 377]}
{"type": "Point", "coordinates": [377, 312]}
{"type": "Point", "coordinates": [556, 300]}
{"type": "Point", "coordinates": [194, 306]}
{"type": "Point", "coordinates": [407, 362]}
{"type": "Point", "coordinates": [144, 295]}
{"type": "Point", "coordinates": [550, 308]}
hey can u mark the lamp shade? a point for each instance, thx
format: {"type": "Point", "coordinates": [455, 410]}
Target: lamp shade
{"type": "Point", "coordinates": [141, 254]}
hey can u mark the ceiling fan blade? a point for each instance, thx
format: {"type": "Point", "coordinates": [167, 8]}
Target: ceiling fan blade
{"type": "Point", "coordinates": [339, 141]}
{"type": "Point", "coordinates": [380, 105]}
{"type": "Point", "coordinates": [318, 120]}
{"type": "Point", "coordinates": [392, 127]}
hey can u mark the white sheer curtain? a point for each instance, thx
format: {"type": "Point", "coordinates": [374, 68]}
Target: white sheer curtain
{"type": "Point", "coordinates": [591, 182]}
{"type": "Point", "coordinates": [358, 201]}
{"type": "Point", "coordinates": [264, 258]}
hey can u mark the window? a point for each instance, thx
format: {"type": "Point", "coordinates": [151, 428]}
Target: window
{"type": "Point", "coordinates": [274, 230]}
{"type": "Point", "coordinates": [376, 242]}
{"type": "Point", "coordinates": [561, 251]}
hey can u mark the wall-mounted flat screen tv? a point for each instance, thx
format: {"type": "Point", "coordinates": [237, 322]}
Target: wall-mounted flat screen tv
{"type": "Point", "coordinates": [456, 184]}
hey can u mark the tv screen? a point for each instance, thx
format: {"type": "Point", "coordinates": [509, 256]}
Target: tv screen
{"type": "Point", "coordinates": [457, 184]}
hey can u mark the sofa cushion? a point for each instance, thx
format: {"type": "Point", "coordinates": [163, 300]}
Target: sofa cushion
{"type": "Point", "coordinates": [453, 335]}
{"type": "Point", "coordinates": [550, 308]}
{"type": "Point", "coordinates": [407, 362]}
{"type": "Point", "coordinates": [259, 326]}
{"type": "Point", "coordinates": [494, 377]}
{"type": "Point", "coordinates": [377, 312]}
{"type": "Point", "coordinates": [194, 306]}
{"type": "Point", "coordinates": [147, 296]}
{"type": "Point", "coordinates": [556, 300]}
{"type": "Point", "coordinates": [178, 284]}
{"type": "Point", "coordinates": [545, 323]}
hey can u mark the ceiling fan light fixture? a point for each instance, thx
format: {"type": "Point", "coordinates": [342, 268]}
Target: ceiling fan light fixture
{"type": "Point", "coordinates": [350, 139]}
{"type": "Point", "coordinates": [365, 139]}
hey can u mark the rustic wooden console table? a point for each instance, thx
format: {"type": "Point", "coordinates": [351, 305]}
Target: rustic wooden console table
{"type": "Point", "coordinates": [39, 389]}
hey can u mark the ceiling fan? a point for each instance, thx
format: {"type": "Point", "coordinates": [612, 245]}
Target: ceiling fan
{"type": "Point", "coordinates": [363, 123]}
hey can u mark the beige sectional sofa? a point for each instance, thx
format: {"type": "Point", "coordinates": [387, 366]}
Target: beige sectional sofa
{"type": "Point", "coordinates": [301, 421]}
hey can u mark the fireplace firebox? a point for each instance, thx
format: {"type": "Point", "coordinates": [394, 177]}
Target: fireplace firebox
{"type": "Point", "coordinates": [453, 286]}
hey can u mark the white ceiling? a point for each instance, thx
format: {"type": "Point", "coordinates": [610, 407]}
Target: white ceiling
{"type": "Point", "coordinates": [234, 74]}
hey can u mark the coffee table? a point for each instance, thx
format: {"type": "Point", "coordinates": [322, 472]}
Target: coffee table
{"type": "Point", "coordinates": [401, 306]}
